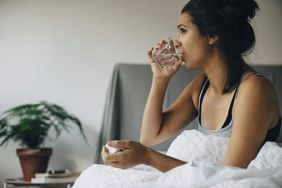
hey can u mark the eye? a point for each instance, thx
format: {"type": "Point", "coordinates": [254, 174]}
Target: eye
{"type": "Point", "coordinates": [181, 30]}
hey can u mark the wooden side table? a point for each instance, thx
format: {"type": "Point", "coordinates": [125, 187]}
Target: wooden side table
{"type": "Point", "coordinates": [62, 182]}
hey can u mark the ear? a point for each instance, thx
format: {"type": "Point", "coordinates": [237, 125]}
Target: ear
{"type": "Point", "coordinates": [212, 39]}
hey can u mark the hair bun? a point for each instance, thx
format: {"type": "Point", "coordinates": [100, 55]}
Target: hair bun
{"type": "Point", "coordinates": [238, 10]}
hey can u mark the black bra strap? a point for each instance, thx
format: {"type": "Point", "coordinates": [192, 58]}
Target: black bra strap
{"type": "Point", "coordinates": [229, 115]}
{"type": "Point", "coordinates": [204, 88]}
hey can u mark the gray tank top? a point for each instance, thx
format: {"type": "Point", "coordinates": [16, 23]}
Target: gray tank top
{"type": "Point", "coordinates": [225, 131]}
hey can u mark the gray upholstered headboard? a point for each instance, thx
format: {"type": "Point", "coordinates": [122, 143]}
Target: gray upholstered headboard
{"type": "Point", "coordinates": [128, 92]}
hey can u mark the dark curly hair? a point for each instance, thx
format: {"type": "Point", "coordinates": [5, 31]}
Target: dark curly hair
{"type": "Point", "coordinates": [229, 20]}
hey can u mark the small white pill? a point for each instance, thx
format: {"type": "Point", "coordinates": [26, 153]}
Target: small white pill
{"type": "Point", "coordinates": [113, 149]}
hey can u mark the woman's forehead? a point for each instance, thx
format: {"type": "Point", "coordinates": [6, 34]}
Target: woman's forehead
{"type": "Point", "coordinates": [184, 19]}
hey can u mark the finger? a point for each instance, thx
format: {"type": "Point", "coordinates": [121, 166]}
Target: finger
{"type": "Point", "coordinates": [158, 45]}
{"type": "Point", "coordinates": [161, 44]}
{"type": "Point", "coordinates": [150, 55]}
{"type": "Point", "coordinates": [176, 65]}
{"type": "Point", "coordinates": [115, 157]}
{"type": "Point", "coordinates": [150, 52]}
{"type": "Point", "coordinates": [121, 143]}
{"type": "Point", "coordinates": [111, 158]}
{"type": "Point", "coordinates": [104, 154]}
{"type": "Point", "coordinates": [105, 151]}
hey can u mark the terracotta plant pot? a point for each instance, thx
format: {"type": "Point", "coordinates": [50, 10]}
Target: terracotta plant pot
{"type": "Point", "coordinates": [34, 161]}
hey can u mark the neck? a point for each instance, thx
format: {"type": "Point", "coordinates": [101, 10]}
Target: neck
{"type": "Point", "coordinates": [216, 71]}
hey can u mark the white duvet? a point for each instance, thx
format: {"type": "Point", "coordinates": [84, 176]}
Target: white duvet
{"type": "Point", "coordinates": [204, 155]}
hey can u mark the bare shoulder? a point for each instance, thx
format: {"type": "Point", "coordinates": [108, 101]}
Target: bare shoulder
{"type": "Point", "coordinates": [259, 93]}
{"type": "Point", "coordinates": [193, 88]}
{"type": "Point", "coordinates": [257, 86]}
{"type": "Point", "coordinates": [257, 79]}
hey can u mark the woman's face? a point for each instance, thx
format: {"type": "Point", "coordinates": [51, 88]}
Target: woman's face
{"type": "Point", "coordinates": [196, 48]}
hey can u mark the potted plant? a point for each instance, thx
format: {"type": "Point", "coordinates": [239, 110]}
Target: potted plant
{"type": "Point", "coordinates": [30, 125]}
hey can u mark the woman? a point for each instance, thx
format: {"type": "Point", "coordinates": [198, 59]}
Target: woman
{"type": "Point", "coordinates": [228, 98]}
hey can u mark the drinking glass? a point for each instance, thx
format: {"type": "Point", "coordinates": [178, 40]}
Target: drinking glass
{"type": "Point", "coordinates": [167, 54]}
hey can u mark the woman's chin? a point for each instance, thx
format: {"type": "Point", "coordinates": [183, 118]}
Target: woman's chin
{"type": "Point", "coordinates": [189, 65]}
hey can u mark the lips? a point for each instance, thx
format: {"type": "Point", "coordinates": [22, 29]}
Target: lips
{"type": "Point", "coordinates": [183, 57]}
{"type": "Point", "coordinates": [180, 52]}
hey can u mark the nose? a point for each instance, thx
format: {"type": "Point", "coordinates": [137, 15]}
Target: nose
{"type": "Point", "coordinates": [177, 43]}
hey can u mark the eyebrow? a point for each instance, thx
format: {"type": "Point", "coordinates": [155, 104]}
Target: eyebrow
{"type": "Point", "coordinates": [180, 26]}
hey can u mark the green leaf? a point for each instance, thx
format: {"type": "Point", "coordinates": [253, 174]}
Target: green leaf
{"type": "Point", "coordinates": [35, 122]}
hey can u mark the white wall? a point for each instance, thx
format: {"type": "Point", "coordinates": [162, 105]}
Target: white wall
{"type": "Point", "coordinates": [64, 51]}
{"type": "Point", "coordinates": [268, 26]}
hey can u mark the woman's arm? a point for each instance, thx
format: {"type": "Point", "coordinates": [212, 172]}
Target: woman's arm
{"type": "Point", "coordinates": [162, 162]}
{"type": "Point", "coordinates": [135, 153]}
{"type": "Point", "coordinates": [152, 117]}
{"type": "Point", "coordinates": [157, 125]}
{"type": "Point", "coordinates": [255, 111]}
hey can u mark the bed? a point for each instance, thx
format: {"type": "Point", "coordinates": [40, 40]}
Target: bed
{"type": "Point", "coordinates": [126, 97]}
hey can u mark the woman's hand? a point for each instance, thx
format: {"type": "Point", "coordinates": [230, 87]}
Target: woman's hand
{"type": "Point", "coordinates": [158, 71]}
{"type": "Point", "coordinates": [133, 154]}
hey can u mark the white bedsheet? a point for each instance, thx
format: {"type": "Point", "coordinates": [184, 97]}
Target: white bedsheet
{"type": "Point", "coordinates": [204, 155]}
